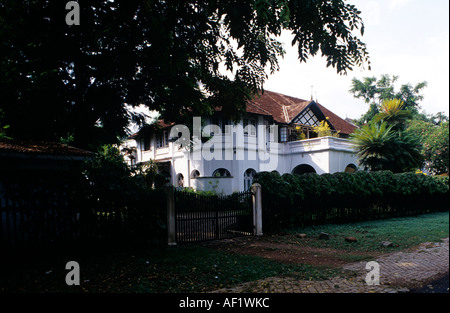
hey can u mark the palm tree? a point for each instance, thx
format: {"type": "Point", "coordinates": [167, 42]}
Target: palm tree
{"type": "Point", "coordinates": [380, 147]}
{"type": "Point", "coordinates": [392, 112]}
{"type": "Point", "coordinates": [373, 143]}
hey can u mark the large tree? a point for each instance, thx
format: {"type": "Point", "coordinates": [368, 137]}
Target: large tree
{"type": "Point", "coordinates": [177, 57]}
{"type": "Point", "coordinates": [434, 139]}
{"type": "Point", "coordinates": [376, 90]}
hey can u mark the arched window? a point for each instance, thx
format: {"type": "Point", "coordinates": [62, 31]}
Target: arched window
{"type": "Point", "coordinates": [303, 169]}
{"type": "Point", "coordinates": [351, 168]}
{"type": "Point", "coordinates": [249, 175]}
{"type": "Point", "coordinates": [180, 180]}
{"type": "Point", "coordinates": [195, 174]}
{"type": "Point", "coordinates": [221, 172]}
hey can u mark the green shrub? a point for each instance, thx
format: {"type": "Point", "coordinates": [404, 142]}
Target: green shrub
{"type": "Point", "coordinates": [300, 200]}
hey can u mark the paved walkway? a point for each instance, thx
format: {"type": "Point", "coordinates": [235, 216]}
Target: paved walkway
{"type": "Point", "coordinates": [399, 272]}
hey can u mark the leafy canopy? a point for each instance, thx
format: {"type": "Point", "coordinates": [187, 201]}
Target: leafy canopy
{"type": "Point", "coordinates": [180, 58]}
{"type": "Point", "coordinates": [434, 140]}
{"type": "Point", "coordinates": [376, 90]}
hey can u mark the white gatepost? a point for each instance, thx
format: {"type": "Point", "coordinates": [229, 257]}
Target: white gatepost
{"type": "Point", "coordinates": [257, 209]}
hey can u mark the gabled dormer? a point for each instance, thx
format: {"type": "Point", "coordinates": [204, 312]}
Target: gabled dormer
{"type": "Point", "coordinates": [310, 116]}
{"type": "Point", "coordinates": [294, 113]}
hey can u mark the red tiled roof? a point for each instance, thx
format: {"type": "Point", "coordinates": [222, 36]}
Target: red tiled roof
{"type": "Point", "coordinates": [281, 107]}
{"type": "Point", "coordinates": [163, 124]}
{"type": "Point", "coordinates": [338, 123]}
{"type": "Point", "coordinates": [41, 147]}
{"type": "Point", "coordinates": [253, 108]}
{"type": "Point", "coordinates": [285, 108]}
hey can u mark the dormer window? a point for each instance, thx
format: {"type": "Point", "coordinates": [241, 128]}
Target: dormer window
{"type": "Point", "coordinates": [308, 118]}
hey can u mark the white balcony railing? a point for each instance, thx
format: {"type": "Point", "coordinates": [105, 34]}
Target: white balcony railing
{"type": "Point", "coordinates": [319, 144]}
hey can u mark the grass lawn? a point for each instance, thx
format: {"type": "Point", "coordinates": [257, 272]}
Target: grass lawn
{"type": "Point", "coordinates": [199, 268]}
{"type": "Point", "coordinates": [402, 232]}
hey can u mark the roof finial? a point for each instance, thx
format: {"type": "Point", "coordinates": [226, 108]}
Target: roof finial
{"type": "Point", "coordinates": [312, 87]}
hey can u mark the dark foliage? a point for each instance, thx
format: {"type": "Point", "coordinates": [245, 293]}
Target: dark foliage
{"type": "Point", "coordinates": [63, 82]}
{"type": "Point", "coordinates": [312, 199]}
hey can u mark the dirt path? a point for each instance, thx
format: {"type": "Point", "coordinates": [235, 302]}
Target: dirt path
{"type": "Point", "coordinates": [399, 271]}
{"type": "Point", "coordinates": [290, 253]}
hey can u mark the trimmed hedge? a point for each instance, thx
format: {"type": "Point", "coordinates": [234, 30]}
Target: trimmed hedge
{"type": "Point", "coordinates": [291, 201]}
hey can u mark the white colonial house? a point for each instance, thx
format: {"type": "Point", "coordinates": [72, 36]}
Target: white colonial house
{"type": "Point", "coordinates": [276, 134]}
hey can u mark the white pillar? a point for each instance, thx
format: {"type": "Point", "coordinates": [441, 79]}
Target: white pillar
{"type": "Point", "coordinates": [257, 210]}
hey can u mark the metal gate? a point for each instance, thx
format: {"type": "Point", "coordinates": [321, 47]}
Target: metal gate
{"type": "Point", "coordinates": [212, 217]}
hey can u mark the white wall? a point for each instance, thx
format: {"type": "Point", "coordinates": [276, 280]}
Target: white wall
{"type": "Point", "coordinates": [325, 155]}
{"type": "Point", "coordinates": [221, 185]}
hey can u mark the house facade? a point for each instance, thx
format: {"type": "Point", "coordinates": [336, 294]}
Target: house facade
{"type": "Point", "coordinates": [276, 134]}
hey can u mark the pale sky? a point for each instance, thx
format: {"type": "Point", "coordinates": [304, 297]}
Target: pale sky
{"type": "Point", "coordinates": [407, 38]}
